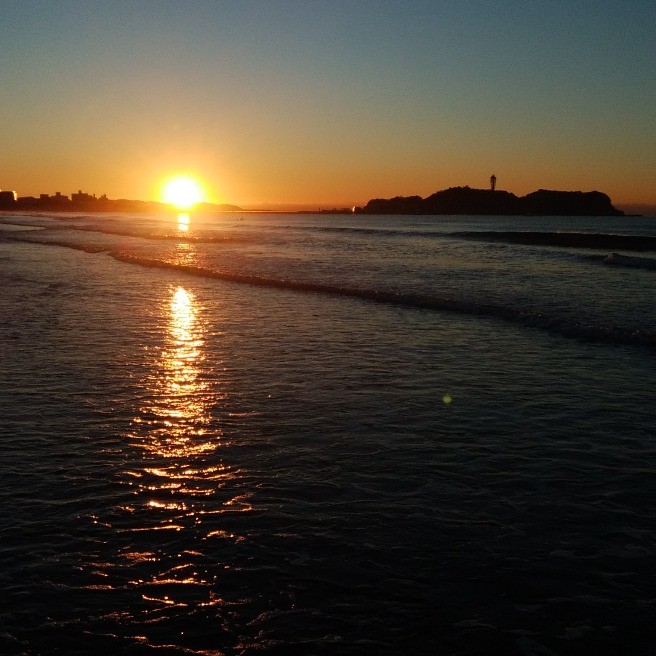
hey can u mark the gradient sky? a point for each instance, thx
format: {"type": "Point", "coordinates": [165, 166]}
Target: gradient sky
{"type": "Point", "coordinates": [328, 103]}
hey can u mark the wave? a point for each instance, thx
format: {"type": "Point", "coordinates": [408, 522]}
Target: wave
{"type": "Point", "coordinates": [66, 225]}
{"type": "Point", "coordinates": [630, 261]}
{"type": "Point", "coordinates": [22, 237]}
{"type": "Point", "coordinates": [170, 236]}
{"type": "Point", "coordinates": [565, 239]}
{"type": "Point", "coordinates": [161, 236]}
{"type": "Point", "coordinates": [377, 231]}
{"type": "Point", "coordinates": [572, 239]}
{"type": "Point", "coordinates": [222, 238]}
{"type": "Point", "coordinates": [573, 329]}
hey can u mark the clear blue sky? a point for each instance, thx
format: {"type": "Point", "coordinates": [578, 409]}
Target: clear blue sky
{"type": "Point", "coordinates": [328, 102]}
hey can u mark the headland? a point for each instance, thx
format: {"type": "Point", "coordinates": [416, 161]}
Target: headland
{"type": "Point", "coordinates": [465, 200]}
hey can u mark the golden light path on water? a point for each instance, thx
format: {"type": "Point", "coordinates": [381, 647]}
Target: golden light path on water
{"type": "Point", "coordinates": [182, 487]}
{"type": "Point", "coordinates": [180, 397]}
{"type": "Point", "coordinates": [184, 220]}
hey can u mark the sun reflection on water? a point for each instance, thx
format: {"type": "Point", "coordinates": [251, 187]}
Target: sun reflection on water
{"type": "Point", "coordinates": [179, 412]}
{"type": "Point", "coordinates": [185, 254]}
{"type": "Point", "coordinates": [173, 539]}
{"type": "Point", "coordinates": [183, 491]}
{"type": "Point", "coordinates": [184, 221]}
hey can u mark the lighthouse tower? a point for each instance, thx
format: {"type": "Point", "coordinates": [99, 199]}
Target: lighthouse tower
{"type": "Point", "coordinates": [493, 182]}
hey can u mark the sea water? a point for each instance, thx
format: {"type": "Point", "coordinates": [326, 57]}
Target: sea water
{"type": "Point", "coordinates": [315, 434]}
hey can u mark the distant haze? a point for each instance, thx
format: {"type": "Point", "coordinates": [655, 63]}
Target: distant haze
{"type": "Point", "coordinates": [328, 104]}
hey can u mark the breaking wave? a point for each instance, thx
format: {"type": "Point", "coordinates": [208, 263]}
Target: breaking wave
{"type": "Point", "coordinates": [630, 261]}
{"type": "Point", "coordinates": [565, 239]}
{"type": "Point", "coordinates": [575, 328]}
{"type": "Point", "coordinates": [578, 330]}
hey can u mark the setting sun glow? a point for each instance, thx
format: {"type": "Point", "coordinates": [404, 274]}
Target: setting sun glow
{"type": "Point", "coordinates": [182, 191]}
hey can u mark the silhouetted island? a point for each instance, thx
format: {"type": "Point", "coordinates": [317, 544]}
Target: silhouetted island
{"type": "Point", "coordinates": [464, 200]}
{"type": "Point", "coordinates": [83, 202]}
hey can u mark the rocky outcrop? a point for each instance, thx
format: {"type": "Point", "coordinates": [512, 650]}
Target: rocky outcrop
{"type": "Point", "coordinates": [464, 200]}
{"type": "Point", "coordinates": [568, 203]}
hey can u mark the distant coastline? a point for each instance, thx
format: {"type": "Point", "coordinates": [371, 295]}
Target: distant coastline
{"type": "Point", "coordinates": [452, 201]}
{"type": "Point", "coordinates": [82, 202]}
{"type": "Point", "coordinates": [465, 200]}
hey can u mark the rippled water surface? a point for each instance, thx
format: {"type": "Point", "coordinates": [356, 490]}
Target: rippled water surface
{"type": "Point", "coordinates": [323, 435]}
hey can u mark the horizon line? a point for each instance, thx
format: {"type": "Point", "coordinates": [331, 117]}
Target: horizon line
{"type": "Point", "coordinates": [275, 207]}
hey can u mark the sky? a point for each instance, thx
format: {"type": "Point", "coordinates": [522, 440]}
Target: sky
{"type": "Point", "coordinates": [279, 103]}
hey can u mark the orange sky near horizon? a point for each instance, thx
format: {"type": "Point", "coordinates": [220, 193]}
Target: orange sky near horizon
{"type": "Point", "coordinates": [328, 106]}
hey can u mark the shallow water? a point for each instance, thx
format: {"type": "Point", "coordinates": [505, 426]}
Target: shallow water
{"type": "Point", "coordinates": [330, 459]}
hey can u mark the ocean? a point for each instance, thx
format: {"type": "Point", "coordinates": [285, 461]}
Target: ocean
{"type": "Point", "coordinates": [301, 434]}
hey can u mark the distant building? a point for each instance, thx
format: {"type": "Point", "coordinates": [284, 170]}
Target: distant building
{"type": "Point", "coordinates": [7, 198]}
{"type": "Point", "coordinates": [493, 182]}
{"type": "Point", "coordinates": [81, 197]}
{"type": "Point", "coordinates": [8, 195]}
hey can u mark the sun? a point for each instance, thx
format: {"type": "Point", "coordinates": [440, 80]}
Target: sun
{"type": "Point", "coordinates": [183, 191]}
